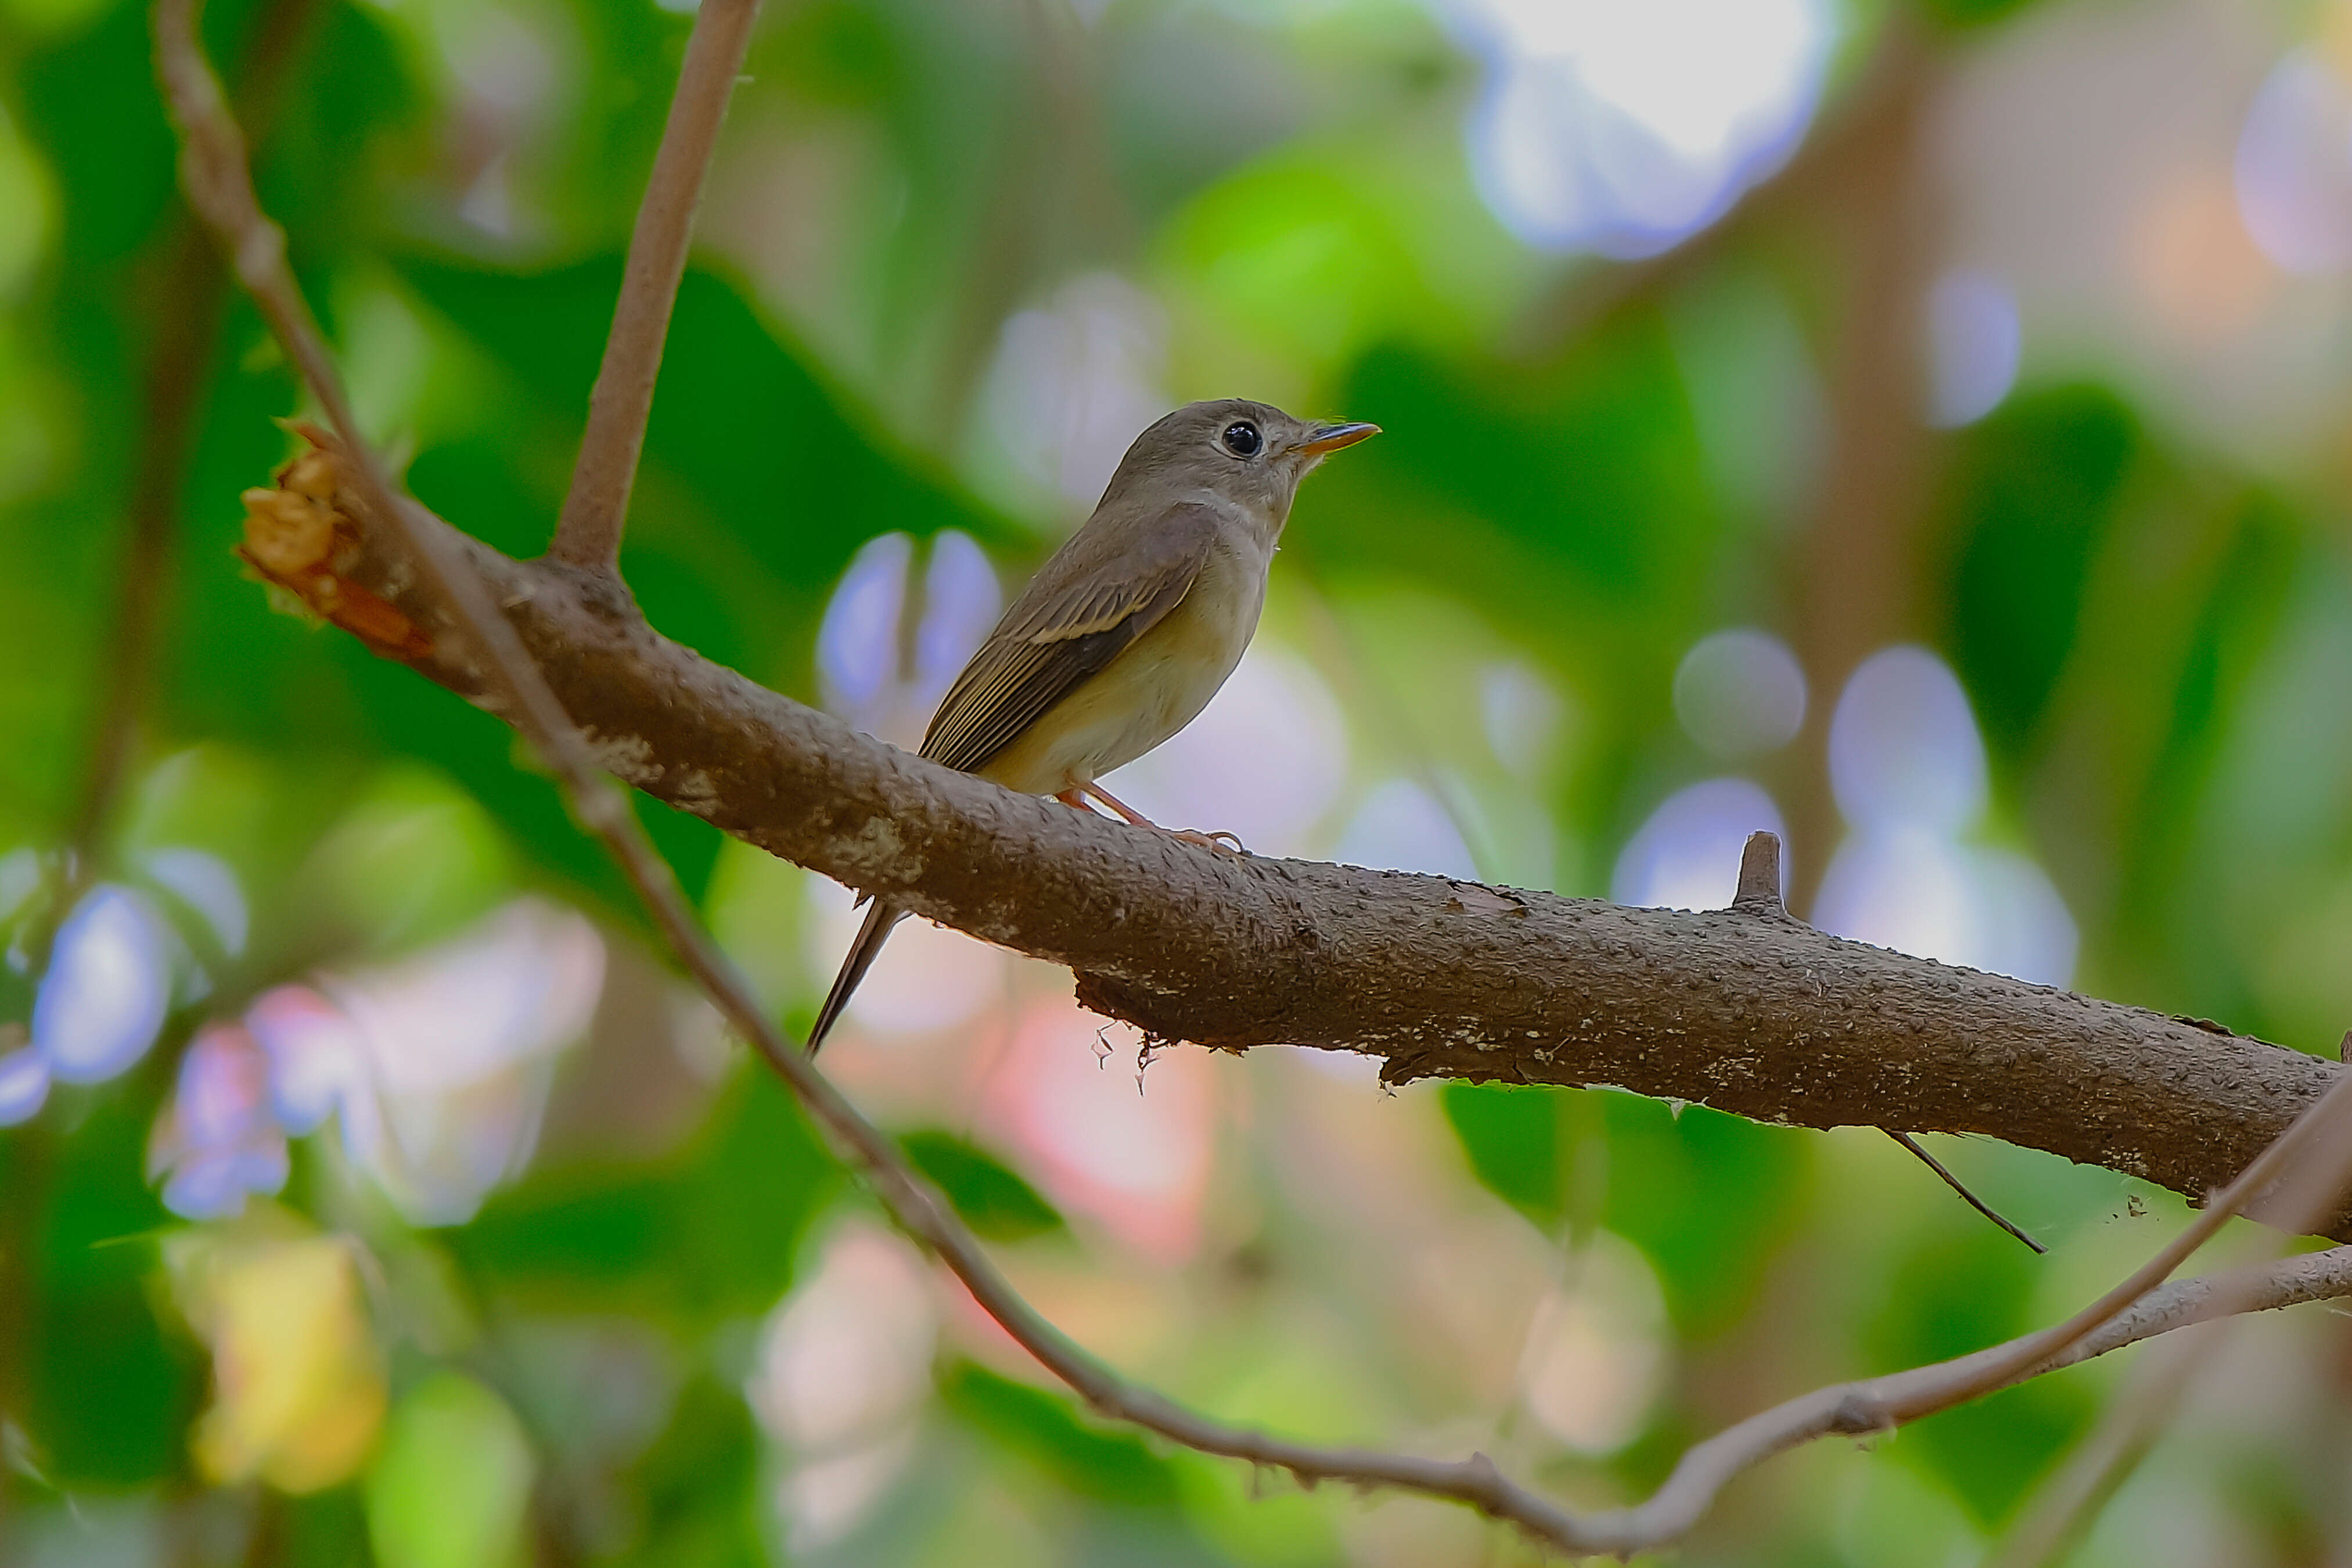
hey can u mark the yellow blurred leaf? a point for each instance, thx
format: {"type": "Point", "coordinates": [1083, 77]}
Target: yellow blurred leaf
{"type": "Point", "coordinates": [298, 1382]}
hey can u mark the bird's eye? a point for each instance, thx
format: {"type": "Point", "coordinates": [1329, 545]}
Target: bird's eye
{"type": "Point", "coordinates": [1241, 438]}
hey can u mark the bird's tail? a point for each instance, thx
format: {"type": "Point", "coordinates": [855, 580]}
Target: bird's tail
{"type": "Point", "coordinates": [862, 954]}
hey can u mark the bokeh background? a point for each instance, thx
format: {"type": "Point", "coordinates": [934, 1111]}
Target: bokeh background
{"type": "Point", "coordinates": [1921, 428]}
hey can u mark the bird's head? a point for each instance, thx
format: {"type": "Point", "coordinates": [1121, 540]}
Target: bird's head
{"type": "Point", "coordinates": [1252, 454]}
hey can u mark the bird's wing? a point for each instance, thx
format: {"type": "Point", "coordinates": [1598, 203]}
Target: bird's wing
{"type": "Point", "coordinates": [1100, 592]}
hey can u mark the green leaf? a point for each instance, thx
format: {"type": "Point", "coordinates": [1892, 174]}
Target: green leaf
{"type": "Point", "coordinates": [1112, 1465]}
{"type": "Point", "coordinates": [1962, 15]}
{"type": "Point", "coordinates": [1512, 1138]}
{"type": "Point", "coordinates": [698, 1485]}
{"type": "Point", "coordinates": [93, 104]}
{"type": "Point", "coordinates": [1707, 1195]}
{"type": "Point", "coordinates": [759, 472]}
{"type": "Point", "coordinates": [450, 1487]}
{"type": "Point", "coordinates": [328, 1527]}
{"type": "Point", "coordinates": [110, 1392]}
{"type": "Point", "coordinates": [1952, 1294]}
{"type": "Point", "coordinates": [707, 1235]}
{"type": "Point", "coordinates": [2039, 484]}
{"type": "Point", "coordinates": [1593, 465]}
{"type": "Point", "coordinates": [990, 1197]}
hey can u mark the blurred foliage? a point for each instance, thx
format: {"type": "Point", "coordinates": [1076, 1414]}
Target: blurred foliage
{"type": "Point", "coordinates": [622, 1341]}
{"type": "Point", "coordinates": [993, 1199]}
{"type": "Point", "coordinates": [668, 1243]}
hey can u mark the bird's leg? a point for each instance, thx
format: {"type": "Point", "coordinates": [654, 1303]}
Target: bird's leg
{"type": "Point", "coordinates": [1228, 842]}
{"type": "Point", "coordinates": [1074, 800]}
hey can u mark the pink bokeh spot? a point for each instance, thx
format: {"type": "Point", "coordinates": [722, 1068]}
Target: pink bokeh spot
{"type": "Point", "coordinates": [216, 1140]}
{"type": "Point", "coordinates": [1136, 1162]}
{"type": "Point", "coordinates": [314, 1054]}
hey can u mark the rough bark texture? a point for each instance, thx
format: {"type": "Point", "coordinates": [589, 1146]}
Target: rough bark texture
{"type": "Point", "coordinates": [1745, 1009]}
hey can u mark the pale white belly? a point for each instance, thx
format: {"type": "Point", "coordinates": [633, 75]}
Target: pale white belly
{"type": "Point", "coordinates": [1154, 687]}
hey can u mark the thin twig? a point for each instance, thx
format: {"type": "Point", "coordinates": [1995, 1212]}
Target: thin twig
{"type": "Point", "coordinates": [1961, 1187]}
{"type": "Point", "coordinates": [588, 535]}
{"type": "Point", "coordinates": [1759, 893]}
{"type": "Point", "coordinates": [217, 184]}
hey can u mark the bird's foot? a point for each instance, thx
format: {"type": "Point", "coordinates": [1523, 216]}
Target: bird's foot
{"type": "Point", "coordinates": [1222, 843]}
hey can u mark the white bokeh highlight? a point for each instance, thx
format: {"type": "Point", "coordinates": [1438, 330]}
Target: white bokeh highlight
{"type": "Point", "coordinates": [2292, 170]}
{"type": "Point", "coordinates": [314, 1057]}
{"type": "Point", "coordinates": [1130, 1147]}
{"type": "Point", "coordinates": [961, 599]}
{"type": "Point", "coordinates": [1687, 855]}
{"type": "Point", "coordinates": [206, 884]}
{"type": "Point", "coordinates": [857, 639]}
{"type": "Point", "coordinates": [1402, 827]}
{"type": "Point", "coordinates": [1598, 1348]}
{"type": "Point", "coordinates": [1739, 692]}
{"type": "Point", "coordinates": [20, 875]}
{"type": "Point", "coordinates": [1974, 346]}
{"type": "Point", "coordinates": [437, 1066]}
{"type": "Point", "coordinates": [1908, 766]}
{"type": "Point", "coordinates": [109, 985]}
{"type": "Point", "coordinates": [1523, 714]}
{"type": "Point", "coordinates": [928, 979]}
{"type": "Point", "coordinates": [218, 1143]}
{"type": "Point", "coordinates": [1265, 760]}
{"type": "Point", "coordinates": [1073, 381]}
{"type": "Point", "coordinates": [1623, 128]}
{"type": "Point", "coordinates": [844, 1370]}
{"type": "Point", "coordinates": [862, 661]}
{"type": "Point", "coordinates": [23, 1085]}
{"type": "Point", "coordinates": [1903, 748]}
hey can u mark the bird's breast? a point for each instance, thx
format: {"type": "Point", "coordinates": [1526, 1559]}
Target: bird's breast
{"type": "Point", "coordinates": [1154, 687]}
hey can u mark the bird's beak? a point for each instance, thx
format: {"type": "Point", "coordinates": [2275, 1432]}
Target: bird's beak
{"type": "Point", "coordinates": [1331, 437]}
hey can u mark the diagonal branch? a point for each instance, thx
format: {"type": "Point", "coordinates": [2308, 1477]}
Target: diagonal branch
{"type": "Point", "coordinates": [502, 674]}
{"type": "Point", "coordinates": [588, 535]}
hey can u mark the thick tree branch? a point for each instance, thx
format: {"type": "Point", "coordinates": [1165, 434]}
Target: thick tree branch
{"type": "Point", "coordinates": [1745, 1009]}
{"type": "Point", "coordinates": [589, 533]}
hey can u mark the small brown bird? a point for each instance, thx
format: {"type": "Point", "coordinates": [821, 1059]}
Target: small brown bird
{"type": "Point", "coordinates": [1123, 637]}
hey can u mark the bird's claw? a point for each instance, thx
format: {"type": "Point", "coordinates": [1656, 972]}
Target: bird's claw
{"type": "Point", "coordinates": [1222, 843]}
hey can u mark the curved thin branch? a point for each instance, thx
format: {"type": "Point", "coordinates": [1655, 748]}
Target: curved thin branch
{"type": "Point", "coordinates": [2072, 1498]}
{"type": "Point", "coordinates": [588, 534]}
{"type": "Point", "coordinates": [1883, 1404]}
{"type": "Point", "coordinates": [1880, 1404]}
